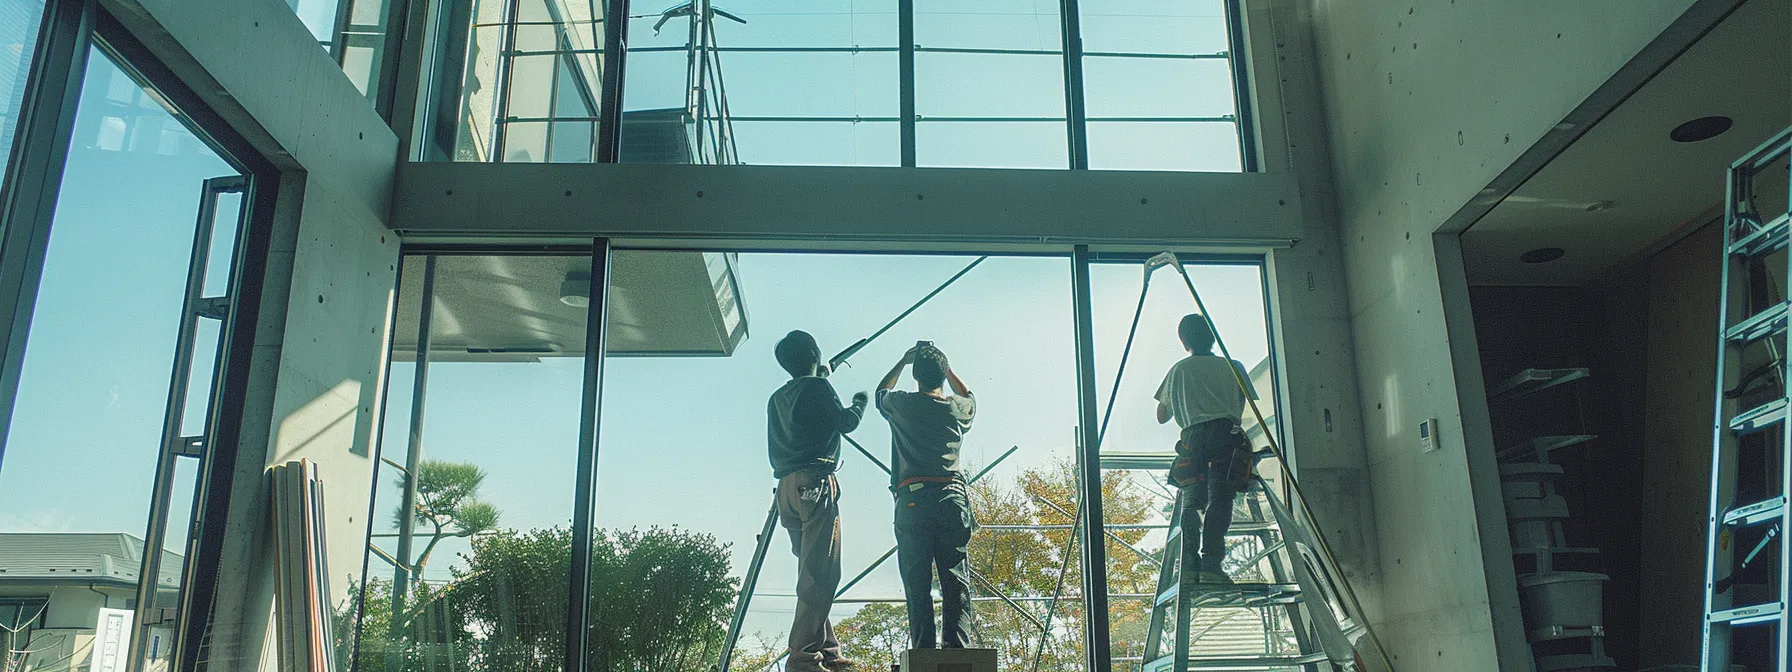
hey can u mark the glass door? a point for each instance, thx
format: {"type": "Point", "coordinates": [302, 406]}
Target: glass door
{"type": "Point", "coordinates": [116, 384]}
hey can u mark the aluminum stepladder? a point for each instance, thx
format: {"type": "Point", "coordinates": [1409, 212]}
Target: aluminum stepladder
{"type": "Point", "coordinates": [1288, 575]}
{"type": "Point", "coordinates": [1748, 563]}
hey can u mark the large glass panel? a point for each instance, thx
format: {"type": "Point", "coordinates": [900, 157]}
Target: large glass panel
{"type": "Point", "coordinates": [684, 471]}
{"type": "Point", "coordinates": [19, 24]}
{"type": "Point", "coordinates": [474, 576]}
{"type": "Point", "coordinates": [1153, 26]}
{"type": "Point", "coordinates": [87, 429]}
{"type": "Point", "coordinates": [1137, 495]}
{"type": "Point", "coordinates": [776, 82]}
{"type": "Point", "coordinates": [989, 85]}
{"type": "Point", "coordinates": [1158, 86]}
{"type": "Point", "coordinates": [530, 65]}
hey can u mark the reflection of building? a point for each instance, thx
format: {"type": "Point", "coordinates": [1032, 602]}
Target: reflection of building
{"type": "Point", "coordinates": [53, 585]}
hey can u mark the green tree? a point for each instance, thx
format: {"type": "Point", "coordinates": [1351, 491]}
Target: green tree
{"type": "Point", "coordinates": [659, 601]}
{"type": "Point", "coordinates": [448, 504]}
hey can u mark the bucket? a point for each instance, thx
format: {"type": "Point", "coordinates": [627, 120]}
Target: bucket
{"type": "Point", "coordinates": [1562, 599]}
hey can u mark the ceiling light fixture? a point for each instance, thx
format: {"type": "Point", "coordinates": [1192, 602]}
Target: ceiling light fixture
{"type": "Point", "coordinates": [1542, 255]}
{"type": "Point", "coordinates": [1702, 128]}
{"type": "Point", "coordinates": [575, 291]}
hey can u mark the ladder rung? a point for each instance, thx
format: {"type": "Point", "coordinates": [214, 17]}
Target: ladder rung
{"type": "Point", "coordinates": [1760, 613]}
{"type": "Point", "coordinates": [1756, 513]}
{"type": "Point", "coordinates": [1236, 663]}
{"type": "Point", "coordinates": [1758, 326]}
{"type": "Point", "coordinates": [1759, 417]}
{"type": "Point", "coordinates": [1763, 241]}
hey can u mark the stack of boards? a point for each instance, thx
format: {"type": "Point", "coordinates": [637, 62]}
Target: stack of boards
{"type": "Point", "coordinates": [303, 616]}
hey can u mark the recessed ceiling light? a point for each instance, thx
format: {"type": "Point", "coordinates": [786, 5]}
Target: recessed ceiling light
{"type": "Point", "coordinates": [1702, 128]}
{"type": "Point", "coordinates": [1541, 255]}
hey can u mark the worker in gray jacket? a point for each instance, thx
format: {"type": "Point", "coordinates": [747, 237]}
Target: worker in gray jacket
{"type": "Point", "coordinates": [804, 421]}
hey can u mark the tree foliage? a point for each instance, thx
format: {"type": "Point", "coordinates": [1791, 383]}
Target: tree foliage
{"type": "Point", "coordinates": [1027, 563]}
{"type": "Point", "coordinates": [659, 601]}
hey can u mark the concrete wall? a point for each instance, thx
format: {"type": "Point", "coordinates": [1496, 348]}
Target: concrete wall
{"type": "Point", "coordinates": [1427, 103]}
{"type": "Point", "coordinates": [1683, 289]}
{"type": "Point", "coordinates": [318, 358]}
{"type": "Point", "coordinates": [1321, 410]}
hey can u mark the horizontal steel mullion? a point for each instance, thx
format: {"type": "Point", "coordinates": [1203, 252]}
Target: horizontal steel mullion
{"type": "Point", "coordinates": [502, 24]}
{"type": "Point", "coordinates": [524, 120]}
{"type": "Point", "coordinates": [554, 52]}
{"type": "Point", "coordinates": [770, 50]}
{"type": "Point", "coordinates": [953, 120]}
{"type": "Point", "coordinates": [1219, 56]}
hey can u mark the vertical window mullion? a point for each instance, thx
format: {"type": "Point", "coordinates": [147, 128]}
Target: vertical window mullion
{"type": "Point", "coordinates": [906, 78]}
{"type": "Point", "coordinates": [1094, 557]}
{"type": "Point", "coordinates": [1241, 87]}
{"type": "Point", "coordinates": [1074, 112]}
{"type": "Point", "coordinates": [584, 516]}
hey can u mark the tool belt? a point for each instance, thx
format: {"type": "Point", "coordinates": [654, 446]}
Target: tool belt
{"type": "Point", "coordinates": [1207, 451]}
{"type": "Point", "coordinates": [919, 482]}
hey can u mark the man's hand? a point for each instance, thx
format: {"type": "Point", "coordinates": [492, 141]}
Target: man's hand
{"type": "Point", "coordinates": [860, 399]}
{"type": "Point", "coordinates": [909, 357]}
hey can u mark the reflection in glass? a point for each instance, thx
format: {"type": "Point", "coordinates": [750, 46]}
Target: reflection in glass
{"type": "Point", "coordinates": [473, 574]}
{"type": "Point", "coordinates": [530, 63]}
{"type": "Point", "coordinates": [86, 433]}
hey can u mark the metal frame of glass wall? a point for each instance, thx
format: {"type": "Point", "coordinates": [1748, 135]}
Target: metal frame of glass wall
{"type": "Point", "coordinates": [28, 199]}
{"type": "Point", "coordinates": [432, 78]}
{"type": "Point", "coordinates": [1090, 517]}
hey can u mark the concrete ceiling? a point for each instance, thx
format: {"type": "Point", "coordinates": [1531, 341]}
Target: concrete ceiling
{"type": "Point", "coordinates": [509, 308]}
{"type": "Point", "coordinates": [1625, 187]}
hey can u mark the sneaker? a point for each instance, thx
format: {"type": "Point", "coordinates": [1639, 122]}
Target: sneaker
{"type": "Point", "coordinates": [1213, 579]}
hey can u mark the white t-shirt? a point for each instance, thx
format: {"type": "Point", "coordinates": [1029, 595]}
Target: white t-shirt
{"type": "Point", "coordinates": [1201, 388]}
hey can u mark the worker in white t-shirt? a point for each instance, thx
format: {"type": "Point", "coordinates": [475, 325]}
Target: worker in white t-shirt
{"type": "Point", "coordinates": [1202, 392]}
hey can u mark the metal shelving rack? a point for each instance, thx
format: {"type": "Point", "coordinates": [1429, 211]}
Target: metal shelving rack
{"type": "Point", "coordinates": [1748, 566]}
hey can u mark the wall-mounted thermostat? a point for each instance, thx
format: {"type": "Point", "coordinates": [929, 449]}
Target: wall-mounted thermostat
{"type": "Point", "coordinates": [1428, 435]}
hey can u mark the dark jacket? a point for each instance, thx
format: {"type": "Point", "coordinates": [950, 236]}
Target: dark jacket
{"type": "Point", "coordinates": [804, 421]}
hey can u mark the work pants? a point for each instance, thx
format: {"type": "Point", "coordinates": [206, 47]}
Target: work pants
{"type": "Point", "coordinates": [809, 509]}
{"type": "Point", "coordinates": [1207, 504]}
{"type": "Point", "coordinates": [933, 531]}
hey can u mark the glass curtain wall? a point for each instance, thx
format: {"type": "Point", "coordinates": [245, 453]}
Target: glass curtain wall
{"type": "Point", "coordinates": [115, 394]}
{"type": "Point", "coordinates": [1137, 497]}
{"type": "Point", "coordinates": [801, 82]}
{"type": "Point", "coordinates": [689, 564]}
{"type": "Point", "coordinates": [471, 536]}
